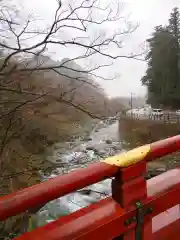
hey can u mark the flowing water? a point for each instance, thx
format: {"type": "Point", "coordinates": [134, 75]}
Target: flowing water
{"type": "Point", "coordinates": [104, 141]}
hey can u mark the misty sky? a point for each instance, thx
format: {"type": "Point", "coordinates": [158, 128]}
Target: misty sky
{"type": "Point", "coordinates": [147, 13]}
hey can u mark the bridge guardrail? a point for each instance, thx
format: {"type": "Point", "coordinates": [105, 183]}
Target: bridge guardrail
{"type": "Point", "coordinates": [128, 213]}
{"type": "Point", "coordinates": [166, 117]}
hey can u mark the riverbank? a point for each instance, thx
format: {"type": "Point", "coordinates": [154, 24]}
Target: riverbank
{"type": "Point", "coordinates": [101, 143]}
{"type": "Point", "coordinates": [138, 132]}
{"type": "Point", "coordinates": [95, 140]}
{"type": "Point", "coordinates": [30, 162]}
{"type": "Point", "coordinates": [143, 131]}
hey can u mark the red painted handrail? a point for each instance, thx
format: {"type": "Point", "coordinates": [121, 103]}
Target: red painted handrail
{"type": "Point", "coordinates": [128, 186]}
{"type": "Point", "coordinates": [104, 219]}
{"type": "Point", "coordinates": [40, 194]}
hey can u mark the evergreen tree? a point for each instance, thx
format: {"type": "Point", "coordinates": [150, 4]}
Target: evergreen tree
{"type": "Point", "coordinates": [162, 75]}
{"type": "Point", "coordinates": [174, 23]}
{"type": "Point", "coordinates": [174, 29]}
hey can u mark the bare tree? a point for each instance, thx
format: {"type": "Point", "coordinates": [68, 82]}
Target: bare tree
{"type": "Point", "coordinates": [85, 20]}
{"type": "Point", "coordinates": [82, 26]}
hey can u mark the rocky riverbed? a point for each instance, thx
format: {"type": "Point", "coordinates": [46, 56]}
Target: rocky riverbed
{"type": "Point", "coordinates": [104, 141]}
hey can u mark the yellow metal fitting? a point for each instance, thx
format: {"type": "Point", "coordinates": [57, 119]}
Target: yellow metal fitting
{"type": "Point", "coordinates": [129, 158]}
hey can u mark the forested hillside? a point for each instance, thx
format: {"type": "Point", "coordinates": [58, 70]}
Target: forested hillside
{"type": "Point", "coordinates": [43, 101]}
{"type": "Point", "coordinates": [41, 108]}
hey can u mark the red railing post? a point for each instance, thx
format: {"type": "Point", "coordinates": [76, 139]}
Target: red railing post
{"type": "Point", "coordinates": [127, 190]}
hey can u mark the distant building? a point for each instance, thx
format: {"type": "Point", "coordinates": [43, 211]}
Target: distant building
{"type": "Point", "coordinates": [147, 106]}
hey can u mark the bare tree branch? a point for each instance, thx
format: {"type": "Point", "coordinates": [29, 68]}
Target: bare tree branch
{"type": "Point", "coordinates": [30, 87]}
{"type": "Point", "coordinates": [68, 21]}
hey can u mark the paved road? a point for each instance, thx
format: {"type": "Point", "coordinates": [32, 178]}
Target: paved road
{"type": "Point", "coordinates": [171, 117]}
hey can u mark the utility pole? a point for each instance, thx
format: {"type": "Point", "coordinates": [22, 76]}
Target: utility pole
{"type": "Point", "coordinates": [131, 101]}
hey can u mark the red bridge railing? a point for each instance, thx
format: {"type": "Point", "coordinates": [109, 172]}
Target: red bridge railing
{"type": "Point", "coordinates": [138, 209]}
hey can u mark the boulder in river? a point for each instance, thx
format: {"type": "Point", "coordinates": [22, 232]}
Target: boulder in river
{"type": "Point", "coordinates": [108, 141]}
{"type": "Point", "coordinates": [87, 139]}
{"type": "Point", "coordinates": [116, 148]}
{"type": "Point", "coordinates": [91, 148]}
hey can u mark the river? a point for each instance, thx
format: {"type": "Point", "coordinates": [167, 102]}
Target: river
{"type": "Point", "coordinates": [104, 141]}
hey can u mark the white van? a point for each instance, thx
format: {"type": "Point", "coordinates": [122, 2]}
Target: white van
{"type": "Point", "coordinates": [157, 112]}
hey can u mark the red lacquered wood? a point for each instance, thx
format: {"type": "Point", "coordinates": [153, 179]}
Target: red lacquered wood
{"type": "Point", "coordinates": [133, 171]}
{"type": "Point", "coordinates": [42, 193]}
{"type": "Point", "coordinates": [130, 192]}
{"type": "Point", "coordinates": [165, 218]}
{"type": "Point", "coordinates": [163, 182]}
{"type": "Point", "coordinates": [133, 191]}
{"type": "Point", "coordinates": [164, 147]}
{"type": "Point", "coordinates": [127, 190]}
{"type": "Point", "coordinates": [103, 220]}
{"type": "Point", "coordinates": [148, 234]}
{"type": "Point", "coordinates": [170, 232]}
{"type": "Point", "coordinates": [165, 200]}
{"type": "Point", "coordinates": [88, 223]}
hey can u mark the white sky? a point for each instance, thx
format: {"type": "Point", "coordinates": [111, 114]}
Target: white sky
{"type": "Point", "coordinates": [147, 13]}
